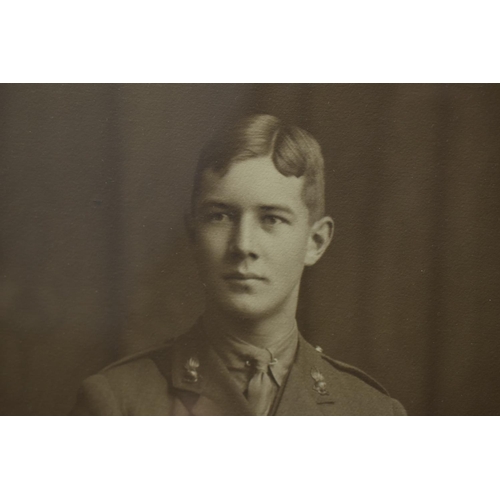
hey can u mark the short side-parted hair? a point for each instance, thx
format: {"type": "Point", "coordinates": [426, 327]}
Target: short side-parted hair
{"type": "Point", "coordinates": [292, 150]}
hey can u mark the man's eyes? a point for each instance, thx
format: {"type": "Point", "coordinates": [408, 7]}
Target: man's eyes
{"type": "Point", "coordinates": [218, 217]}
{"type": "Point", "coordinates": [268, 220]}
{"type": "Point", "coordinates": [273, 220]}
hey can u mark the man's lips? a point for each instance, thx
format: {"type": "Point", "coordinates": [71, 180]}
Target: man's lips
{"type": "Point", "coordinates": [243, 276]}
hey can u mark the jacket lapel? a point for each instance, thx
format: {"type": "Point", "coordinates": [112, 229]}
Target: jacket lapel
{"type": "Point", "coordinates": [207, 389]}
{"type": "Point", "coordinates": [302, 395]}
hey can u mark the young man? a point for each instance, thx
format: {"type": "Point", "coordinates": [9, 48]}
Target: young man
{"type": "Point", "coordinates": [256, 220]}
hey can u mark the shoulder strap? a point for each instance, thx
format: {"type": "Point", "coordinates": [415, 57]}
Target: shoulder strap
{"type": "Point", "coordinates": [352, 370]}
{"type": "Point", "coordinates": [139, 355]}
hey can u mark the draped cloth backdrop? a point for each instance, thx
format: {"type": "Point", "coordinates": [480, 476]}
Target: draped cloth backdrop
{"type": "Point", "coordinates": [95, 264]}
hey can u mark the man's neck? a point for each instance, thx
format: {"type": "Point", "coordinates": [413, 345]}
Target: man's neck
{"type": "Point", "coordinates": [262, 332]}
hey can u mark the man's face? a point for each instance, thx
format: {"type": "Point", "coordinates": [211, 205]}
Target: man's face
{"type": "Point", "coordinates": [251, 235]}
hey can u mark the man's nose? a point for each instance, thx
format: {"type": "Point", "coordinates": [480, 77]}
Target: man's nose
{"type": "Point", "coordinates": [244, 238]}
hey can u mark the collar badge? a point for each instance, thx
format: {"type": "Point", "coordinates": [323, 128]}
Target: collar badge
{"type": "Point", "coordinates": [319, 382]}
{"type": "Point", "coordinates": [191, 370]}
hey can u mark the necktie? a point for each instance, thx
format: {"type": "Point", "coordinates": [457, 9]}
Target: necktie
{"type": "Point", "coordinates": [261, 388]}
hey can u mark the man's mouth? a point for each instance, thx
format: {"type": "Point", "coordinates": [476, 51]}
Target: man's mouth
{"type": "Point", "coordinates": [239, 276]}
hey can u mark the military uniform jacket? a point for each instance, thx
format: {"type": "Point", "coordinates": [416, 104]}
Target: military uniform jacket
{"type": "Point", "coordinates": [186, 377]}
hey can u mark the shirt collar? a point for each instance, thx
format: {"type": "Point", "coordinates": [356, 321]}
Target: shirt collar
{"type": "Point", "coordinates": [238, 355]}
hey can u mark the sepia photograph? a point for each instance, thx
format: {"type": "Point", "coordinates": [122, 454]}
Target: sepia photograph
{"type": "Point", "coordinates": [250, 249]}
{"type": "Point", "coordinates": [236, 210]}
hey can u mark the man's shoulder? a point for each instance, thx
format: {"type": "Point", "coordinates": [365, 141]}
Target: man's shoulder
{"type": "Point", "coordinates": [134, 385]}
{"type": "Point", "coordinates": [140, 365]}
{"type": "Point", "coordinates": [352, 374]}
{"type": "Point", "coordinates": [356, 390]}
{"type": "Point", "coordinates": [139, 359]}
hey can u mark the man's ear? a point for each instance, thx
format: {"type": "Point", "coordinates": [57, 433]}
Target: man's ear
{"type": "Point", "coordinates": [320, 237]}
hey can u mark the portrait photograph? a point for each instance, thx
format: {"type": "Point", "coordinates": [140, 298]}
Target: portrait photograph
{"type": "Point", "coordinates": [345, 233]}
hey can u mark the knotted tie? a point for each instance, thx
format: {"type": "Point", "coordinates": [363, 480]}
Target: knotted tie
{"type": "Point", "coordinates": [256, 371]}
{"type": "Point", "coordinates": [261, 388]}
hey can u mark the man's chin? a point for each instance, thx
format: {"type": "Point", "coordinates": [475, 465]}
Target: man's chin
{"type": "Point", "coordinates": [245, 309]}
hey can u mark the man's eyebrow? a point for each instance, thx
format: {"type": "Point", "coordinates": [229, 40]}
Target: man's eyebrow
{"type": "Point", "coordinates": [277, 208]}
{"type": "Point", "coordinates": [215, 204]}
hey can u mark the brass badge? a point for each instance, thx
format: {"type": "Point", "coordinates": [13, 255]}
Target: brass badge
{"type": "Point", "coordinates": [191, 369]}
{"type": "Point", "coordinates": [319, 382]}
